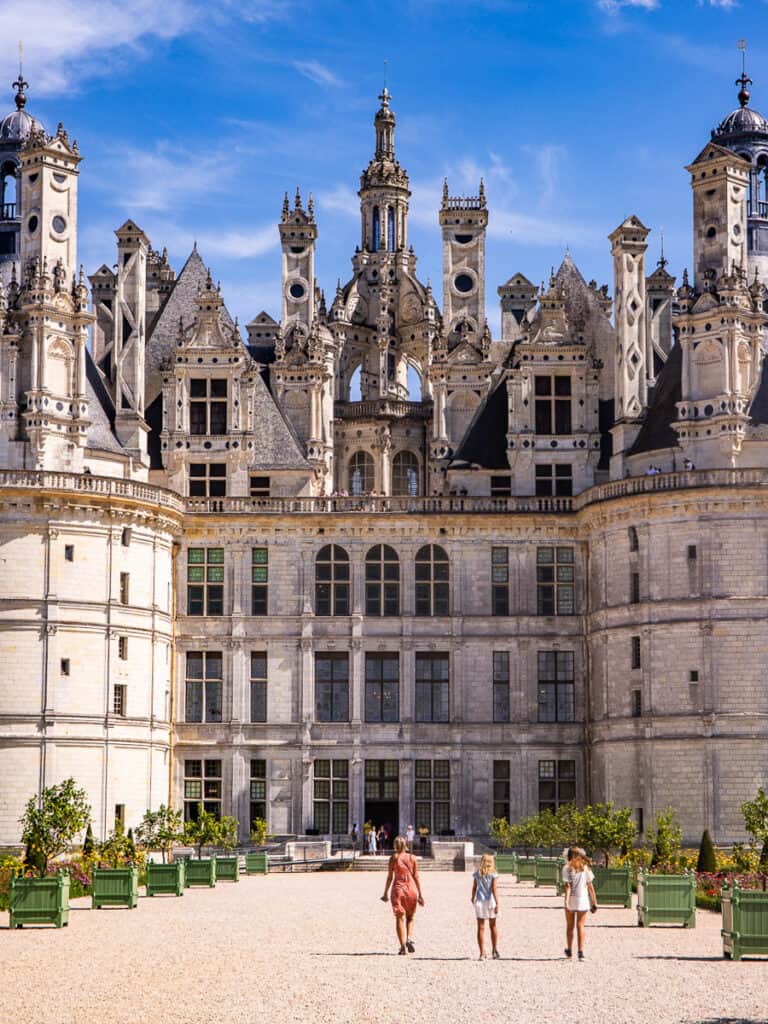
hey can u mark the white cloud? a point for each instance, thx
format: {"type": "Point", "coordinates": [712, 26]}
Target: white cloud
{"type": "Point", "coordinates": [724, 5]}
{"type": "Point", "coordinates": [614, 6]}
{"type": "Point", "coordinates": [164, 177]}
{"type": "Point", "coordinates": [341, 199]}
{"type": "Point", "coordinates": [65, 40]}
{"type": "Point", "coordinates": [316, 72]}
{"type": "Point", "coordinates": [64, 36]}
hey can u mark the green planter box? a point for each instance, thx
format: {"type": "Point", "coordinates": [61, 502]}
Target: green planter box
{"type": "Point", "coordinates": [115, 887]}
{"type": "Point", "coordinates": [506, 863]}
{"type": "Point", "coordinates": [666, 899]}
{"type": "Point", "coordinates": [526, 869]}
{"type": "Point", "coordinates": [613, 886]}
{"type": "Point", "coordinates": [256, 864]}
{"type": "Point", "coordinates": [227, 869]}
{"type": "Point", "coordinates": [745, 922]}
{"type": "Point", "coordinates": [547, 871]}
{"type": "Point", "coordinates": [200, 872]}
{"type": "Point", "coordinates": [166, 878]}
{"type": "Point", "coordinates": [40, 900]}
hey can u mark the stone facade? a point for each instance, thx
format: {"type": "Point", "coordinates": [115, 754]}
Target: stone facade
{"type": "Point", "coordinates": [262, 576]}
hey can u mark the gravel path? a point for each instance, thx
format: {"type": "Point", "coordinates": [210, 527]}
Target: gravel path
{"type": "Point", "coordinates": [321, 948]}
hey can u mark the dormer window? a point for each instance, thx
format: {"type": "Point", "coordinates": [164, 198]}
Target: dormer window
{"type": "Point", "coordinates": [207, 480]}
{"type": "Point", "coordinates": [207, 406]}
{"type": "Point", "coordinates": [553, 404]}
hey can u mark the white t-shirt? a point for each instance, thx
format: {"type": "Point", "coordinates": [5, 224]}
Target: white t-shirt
{"type": "Point", "coordinates": [578, 881]}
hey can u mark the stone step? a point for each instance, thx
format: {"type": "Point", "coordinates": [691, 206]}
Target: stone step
{"type": "Point", "coordinates": [424, 864]}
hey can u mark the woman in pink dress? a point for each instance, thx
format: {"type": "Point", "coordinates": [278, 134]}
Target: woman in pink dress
{"type": "Point", "coordinates": [403, 877]}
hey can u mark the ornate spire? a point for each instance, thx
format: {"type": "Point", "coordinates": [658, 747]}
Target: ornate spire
{"type": "Point", "coordinates": [743, 80]}
{"type": "Point", "coordinates": [20, 85]}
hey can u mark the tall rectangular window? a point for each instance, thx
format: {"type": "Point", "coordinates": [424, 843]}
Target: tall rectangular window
{"type": "Point", "coordinates": [332, 687]}
{"type": "Point", "coordinates": [69, 552]}
{"type": "Point", "coordinates": [501, 686]}
{"type": "Point", "coordinates": [125, 588]}
{"type": "Point", "coordinates": [258, 790]}
{"type": "Point", "coordinates": [499, 581]}
{"type": "Point", "coordinates": [552, 396]}
{"type": "Point", "coordinates": [122, 648]}
{"type": "Point", "coordinates": [557, 784]}
{"type": "Point", "coordinates": [202, 785]}
{"type": "Point", "coordinates": [259, 580]}
{"type": "Point", "coordinates": [207, 406]}
{"type": "Point", "coordinates": [204, 686]}
{"type": "Point", "coordinates": [554, 581]}
{"type": "Point", "coordinates": [637, 703]}
{"type": "Point", "coordinates": [501, 486]}
{"type": "Point", "coordinates": [554, 480]}
{"type": "Point", "coordinates": [635, 652]}
{"type": "Point", "coordinates": [118, 701]}
{"type": "Point", "coordinates": [205, 581]}
{"type": "Point", "coordinates": [207, 480]}
{"type": "Point", "coordinates": [432, 682]}
{"type": "Point", "coordinates": [634, 588]}
{"type": "Point", "coordinates": [501, 789]}
{"type": "Point", "coordinates": [433, 795]}
{"type": "Point", "coordinates": [382, 685]}
{"type": "Point", "coordinates": [556, 686]}
{"type": "Point", "coordinates": [258, 686]}
{"type": "Point", "coordinates": [331, 792]}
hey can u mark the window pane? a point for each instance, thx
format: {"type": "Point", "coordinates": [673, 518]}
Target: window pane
{"type": "Point", "coordinates": [213, 702]}
{"type": "Point", "coordinates": [194, 702]}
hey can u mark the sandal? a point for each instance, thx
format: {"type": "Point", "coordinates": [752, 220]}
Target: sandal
{"type": "Point", "coordinates": [402, 952]}
{"type": "Point", "coordinates": [410, 946]}
{"type": "Point", "coordinates": [496, 955]}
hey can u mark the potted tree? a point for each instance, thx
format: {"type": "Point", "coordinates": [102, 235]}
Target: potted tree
{"type": "Point", "coordinates": [158, 832]}
{"type": "Point", "coordinates": [506, 863]}
{"type": "Point", "coordinates": [200, 832]}
{"type": "Point", "coordinates": [258, 863]}
{"type": "Point", "coordinates": [602, 828]}
{"type": "Point", "coordinates": [227, 868]}
{"type": "Point", "coordinates": [49, 827]}
{"type": "Point", "coordinates": [116, 878]}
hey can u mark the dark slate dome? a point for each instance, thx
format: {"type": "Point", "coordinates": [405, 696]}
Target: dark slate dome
{"type": "Point", "coordinates": [18, 125]}
{"type": "Point", "coordinates": [744, 121]}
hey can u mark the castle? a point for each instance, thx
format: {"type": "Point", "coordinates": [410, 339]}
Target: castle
{"type": "Point", "coordinates": [259, 574]}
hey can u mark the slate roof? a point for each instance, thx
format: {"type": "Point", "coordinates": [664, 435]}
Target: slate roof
{"type": "Point", "coordinates": [101, 433]}
{"type": "Point", "coordinates": [180, 304]}
{"type": "Point", "coordinates": [485, 442]}
{"type": "Point", "coordinates": [277, 445]}
{"type": "Point", "coordinates": [656, 431]}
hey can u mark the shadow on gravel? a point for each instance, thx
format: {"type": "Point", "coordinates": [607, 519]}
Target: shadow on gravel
{"type": "Point", "coordinates": [377, 953]}
{"type": "Point", "coordinates": [701, 959]}
{"type": "Point", "coordinates": [727, 1020]}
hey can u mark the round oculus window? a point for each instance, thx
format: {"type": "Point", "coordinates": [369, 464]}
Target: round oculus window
{"type": "Point", "coordinates": [463, 239]}
{"type": "Point", "coordinates": [58, 224]}
{"type": "Point", "coordinates": [296, 291]}
{"type": "Point", "coordinates": [32, 225]}
{"type": "Point", "coordinates": [463, 283]}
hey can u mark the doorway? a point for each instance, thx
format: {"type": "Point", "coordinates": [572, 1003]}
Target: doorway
{"type": "Point", "coordinates": [382, 805]}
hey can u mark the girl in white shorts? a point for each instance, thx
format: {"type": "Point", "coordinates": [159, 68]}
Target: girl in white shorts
{"type": "Point", "coordinates": [486, 902]}
{"type": "Point", "coordinates": [579, 898]}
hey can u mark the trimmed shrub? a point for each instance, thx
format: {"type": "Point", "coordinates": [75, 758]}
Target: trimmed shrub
{"type": "Point", "coordinates": [707, 861]}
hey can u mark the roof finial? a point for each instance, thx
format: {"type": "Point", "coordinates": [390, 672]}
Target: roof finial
{"type": "Point", "coordinates": [20, 85]}
{"type": "Point", "coordinates": [743, 81]}
{"type": "Point", "coordinates": [663, 261]}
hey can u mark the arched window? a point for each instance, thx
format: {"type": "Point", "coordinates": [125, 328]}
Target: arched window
{"type": "Point", "coordinates": [8, 191]}
{"type": "Point", "coordinates": [376, 229]}
{"type": "Point", "coordinates": [634, 544]}
{"type": "Point", "coordinates": [360, 474]}
{"type": "Point", "coordinates": [332, 581]}
{"type": "Point", "coordinates": [432, 581]}
{"type": "Point", "coordinates": [382, 581]}
{"type": "Point", "coordinates": [405, 475]}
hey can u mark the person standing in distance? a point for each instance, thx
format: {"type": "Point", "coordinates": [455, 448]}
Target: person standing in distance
{"type": "Point", "coordinates": [403, 877]}
{"type": "Point", "coordinates": [579, 898]}
{"type": "Point", "coordinates": [410, 835]}
{"type": "Point", "coordinates": [485, 900]}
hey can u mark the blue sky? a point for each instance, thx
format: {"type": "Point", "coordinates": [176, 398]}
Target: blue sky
{"type": "Point", "coordinates": [194, 119]}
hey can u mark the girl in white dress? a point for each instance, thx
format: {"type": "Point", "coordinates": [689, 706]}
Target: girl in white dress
{"type": "Point", "coordinates": [579, 898]}
{"type": "Point", "coordinates": [485, 900]}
